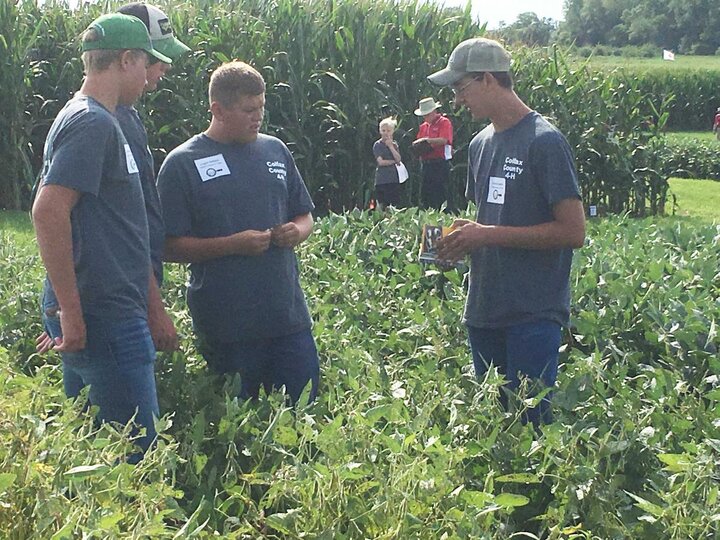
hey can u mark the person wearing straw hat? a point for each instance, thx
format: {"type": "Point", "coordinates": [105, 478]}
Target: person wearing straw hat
{"type": "Point", "coordinates": [92, 229]}
{"type": "Point", "coordinates": [530, 217]}
{"type": "Point", "coordinates": [435, 134]}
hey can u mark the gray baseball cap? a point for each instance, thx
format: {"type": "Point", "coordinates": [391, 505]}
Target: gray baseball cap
{"type": "Point", "coordinates": [474, 55]}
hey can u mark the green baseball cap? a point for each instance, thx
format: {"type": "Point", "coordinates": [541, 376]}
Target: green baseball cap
{"type": "Point", "coordinates": [116, 31]}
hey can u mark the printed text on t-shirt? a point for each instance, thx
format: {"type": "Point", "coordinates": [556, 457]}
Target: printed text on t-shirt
{"type": "Point", "coordinates": [278, 168]}
{"type": "Point", "coordinates": [512, 167]}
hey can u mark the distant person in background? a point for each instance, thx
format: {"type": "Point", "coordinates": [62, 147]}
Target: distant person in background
{"type": "Point", "coordinates": [161, 327]}
{"type": "Point", "coordinates": [716, 124]}
{"type": "Point", "coordinates": [436, 134]}
{"type": "Point", "coordinates": [387, 157]}
{"type": "Point", "coordinates": [522, 177]}
{"type": "Point", "coordinates": [235, 208]}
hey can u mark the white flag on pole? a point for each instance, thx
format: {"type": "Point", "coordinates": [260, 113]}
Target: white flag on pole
{"type": "Point", "coordinates": [668, 55]}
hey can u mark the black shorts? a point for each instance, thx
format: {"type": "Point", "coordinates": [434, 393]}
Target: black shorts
{"type": "Point", "coordinates": [389, 194]}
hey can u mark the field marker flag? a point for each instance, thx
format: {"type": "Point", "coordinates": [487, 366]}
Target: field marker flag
{"type": "Point", "coordinates": [668, 55]}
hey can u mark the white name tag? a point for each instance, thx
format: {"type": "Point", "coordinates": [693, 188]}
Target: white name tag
{"type": "Point", "coordinates": [496, 190]}
{"type": "Point", "coordinates": [212, 167]}
{"type": "Point", "coordinates": [130, 160]}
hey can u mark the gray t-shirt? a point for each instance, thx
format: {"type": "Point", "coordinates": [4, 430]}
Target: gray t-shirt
{"type": "Point", "coordinates": [516, 177]}
{"type": "Point", "coordinates": [209, 189]}
{"type": "Point", "coordinates": [86, 151]}
{"type": "Point", "coordinates": [387, 174]}
{"type": "Point", "coordinates": [134, 131]}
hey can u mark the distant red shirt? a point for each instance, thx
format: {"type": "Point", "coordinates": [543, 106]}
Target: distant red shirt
{"type": "Point", "coordinates": [440, 128]}
{"type": "Point", "coordinates": [717, 121]}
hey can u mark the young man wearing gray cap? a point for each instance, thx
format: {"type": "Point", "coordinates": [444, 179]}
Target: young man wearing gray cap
{"type": "Point", "coordinates": [92, 230]}
{"type": "Point", "coordinates": [164, 41]}
{"type": "Point", "coordinates": [530, 217]}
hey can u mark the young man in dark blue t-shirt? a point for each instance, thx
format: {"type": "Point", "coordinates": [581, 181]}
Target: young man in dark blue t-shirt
{"type": "Point", "coordinates": [530, 217]}
{"type": "Point", "coordinates": [235, 207]}
{"type": "Point", "coordinates": [161, 326]}
{"type": "Point", "coordinates": [92, 230]}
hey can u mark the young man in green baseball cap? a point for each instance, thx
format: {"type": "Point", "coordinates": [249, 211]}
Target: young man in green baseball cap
{"type": "Point", "coordinates": [161, 326]}
{"type": "Point", "coordinates": [92, 229]}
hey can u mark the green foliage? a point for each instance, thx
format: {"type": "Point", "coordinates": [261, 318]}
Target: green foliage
{"type": "Point", "coordinates": [611, 123]}
{"type": "Point", "coordinates": [686, 26]}
{"type": "Point", "coordinates": [19, 31]}
{"type": "Point", "coordinates": [689, 87]}
{"type": "Point", "coordinates": [611, 54]}
{"type": "Point", "coordinates": [403, 441]}
{"type": "Point", "coordinates": [528, 29]}
{"type": "Point", "coordinates": [696, 95]}
{"type": "Point", "coordinates": [692, 158]}
{"type": "Point", "coordinates": [334, 69]}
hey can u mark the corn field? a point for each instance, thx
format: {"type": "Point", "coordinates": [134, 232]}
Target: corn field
{"type": "Point", "coordinates": [334, 68]}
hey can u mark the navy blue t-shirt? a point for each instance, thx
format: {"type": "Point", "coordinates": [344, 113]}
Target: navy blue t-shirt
{"type": "Point", "coordinates": [516, 177]}
{"type": "Point", "coordinates": [86, 151]}
{"type": "Point", "coordinates": [209, 189]}
{"type": "Point", "coordinates": [385, 174]}
{"type": "Point", "coordinates": [134, 131]}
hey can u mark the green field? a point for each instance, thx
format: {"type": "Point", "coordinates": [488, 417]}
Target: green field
{"type": "Point", "coordinates": [696, 198]}
{"type": "Point", "coordinates": [403, 441]}
{"type": "Point", "coordinates": [681, 63]}
{"type": "Point", "coordinates": [707, 137]}
{"type": "Point", "coordinates": [15, 220]}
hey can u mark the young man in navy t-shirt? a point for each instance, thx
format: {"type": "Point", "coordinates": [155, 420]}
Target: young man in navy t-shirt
{"type": "Point", "coordinates": [92, 230]}
{"type": "Point", "coordinates": [235, 207]}
{"type": "Point", "coordinates": [530, 217]}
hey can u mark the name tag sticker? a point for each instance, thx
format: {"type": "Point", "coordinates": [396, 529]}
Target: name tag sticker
{"type": "Point", "coordinates": [130, 160]}
{"type": "Point", "coordinates": [212, 167]}
{"type": "Point", "coordinates": [496, 190]}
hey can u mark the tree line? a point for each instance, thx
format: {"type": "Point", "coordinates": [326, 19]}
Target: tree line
{"type": "Point", "coordinates": [684, 26]}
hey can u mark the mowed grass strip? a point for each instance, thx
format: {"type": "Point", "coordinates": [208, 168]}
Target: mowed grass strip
{"type": "Point", "coordinates": [696, 198]}
{"type": "Point", "coordinates": [681, 62]}
{"type": "Point", "coordinates": [688, 136]}
{"type": "Point", "coordinates": [17, 224]}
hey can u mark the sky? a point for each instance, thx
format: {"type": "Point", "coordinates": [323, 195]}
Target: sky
{"type": "Point", "coordinates": [494, 11]}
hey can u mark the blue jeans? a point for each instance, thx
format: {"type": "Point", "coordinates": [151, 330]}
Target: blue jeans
{"type": "Point", "coordinates": [290, 361]}
{"type": "Point", "coordinates": [524, 350]}
{"type": "Point", "coordinates": [118, 363]}
{"type": "Point", "coordinates": [51, 323]}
